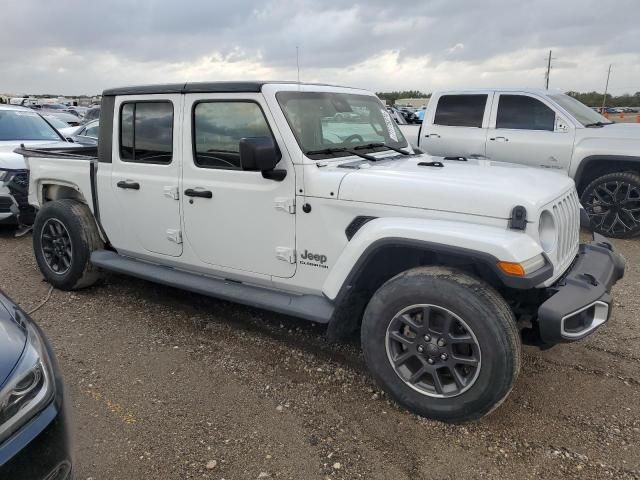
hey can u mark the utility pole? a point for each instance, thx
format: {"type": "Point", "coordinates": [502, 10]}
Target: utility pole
{"type": "Point", "coordinates": [606, 88]}
{"type": "Point", "coordinates": [298, 61]}
{"type": "Point", "coordinates": [548, 70]}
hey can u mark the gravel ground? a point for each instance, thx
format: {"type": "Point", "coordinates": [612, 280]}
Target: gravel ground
{"type": "Point", "coordinates": [164, 384]}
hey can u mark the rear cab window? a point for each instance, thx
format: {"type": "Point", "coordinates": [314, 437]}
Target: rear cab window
{"type": "Point", "coordinates": [461, 110]}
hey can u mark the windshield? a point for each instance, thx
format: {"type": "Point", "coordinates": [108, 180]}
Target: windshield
{"type": "Point", "coordinates": [579, 110]}
{"type": "Point", "coordinates": [55, 122]}
{"type": "Point", "coordinates": [323, 120]}
{"type": "Point", "coordinates": [25, 125]}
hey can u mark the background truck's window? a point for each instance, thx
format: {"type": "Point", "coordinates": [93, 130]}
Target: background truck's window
{"type": "Point", "coordinates": [327, 120]}
{"type": "Point", "coordinates": [460, 110]}
{"type": "Point", "coordinates": [521, 112]}
{"type": "Point", "coordinates": [146, 132]}
{"type": "Point", "coordinates": [218, 128]}
{"type": "Point", "coordinates": [25, 125]}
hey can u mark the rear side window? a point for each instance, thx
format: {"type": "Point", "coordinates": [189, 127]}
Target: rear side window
{"type": "Point", "coordinates": [524, 113]}
{"type": "Point", "coordinates": [218, 128]}
{"type": "Point", "coordinates": [146, 132]}
{"type": "Point", "coordinates": [460, 110]}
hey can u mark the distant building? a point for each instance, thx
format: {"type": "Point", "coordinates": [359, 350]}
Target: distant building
{"type": "Point", "coordinates": [412, 102]}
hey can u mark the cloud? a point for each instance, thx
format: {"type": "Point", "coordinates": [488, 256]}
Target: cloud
{"type": "Point", "coordinates": [75, 47]}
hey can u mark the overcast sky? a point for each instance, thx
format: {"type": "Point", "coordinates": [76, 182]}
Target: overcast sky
{"type": "Point", "coordinates": [73, 47]}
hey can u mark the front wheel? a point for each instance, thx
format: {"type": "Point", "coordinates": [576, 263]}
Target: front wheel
{"type": "Point", "coordinates": [441, 343]}
{"type": "Point", "coordinates": [612, 202]}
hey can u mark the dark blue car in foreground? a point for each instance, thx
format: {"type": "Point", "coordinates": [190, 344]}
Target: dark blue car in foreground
{"type": "Point", "coordinates": [34, 443]}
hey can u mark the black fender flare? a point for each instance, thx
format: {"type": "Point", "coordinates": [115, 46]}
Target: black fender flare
{"type": "Point", "coordinates": [582, 167]}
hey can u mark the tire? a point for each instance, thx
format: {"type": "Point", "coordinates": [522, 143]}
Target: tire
{"type": "Point", "coordinates": [612, 202]}
{"type": "Point", "coordinates": [480, 318]}
{"type": "Point", "coordinates": [71, 225]}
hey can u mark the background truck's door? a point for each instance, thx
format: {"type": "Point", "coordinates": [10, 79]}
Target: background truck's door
{"type": "Point", "coordinates": [456, 124]}
{"type": "Point", "coordinates": [145, 174]}
{"type": "Point", "coordinates": [527, 130]}
{"type": "Point", "coordinates": [233, 218]}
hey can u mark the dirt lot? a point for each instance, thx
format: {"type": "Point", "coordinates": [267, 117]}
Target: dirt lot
{"type": "Point", "coordinates": [169, 385]}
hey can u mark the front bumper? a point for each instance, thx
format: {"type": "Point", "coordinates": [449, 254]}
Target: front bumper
{"type": "Point", "coordinates": [580, 301]}
{"type": "Point", "coordinates": [14, 202]}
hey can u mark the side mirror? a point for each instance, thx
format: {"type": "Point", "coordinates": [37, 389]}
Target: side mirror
{"type": "Point", "coordinates": [560, 125]}
{"type": "Point", "coordinates": [261, 154]}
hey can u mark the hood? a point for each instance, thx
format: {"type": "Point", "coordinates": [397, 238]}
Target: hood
{"type": "Point", "coordinates": [615, 130]}
{"type": "Point", "coordinates": [13, 161]}
{"type": "Point", "coordinates": [12, 341]}
{"type": "Point", "coordinates": [475, 187]}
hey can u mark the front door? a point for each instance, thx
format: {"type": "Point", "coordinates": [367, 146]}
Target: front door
{"type": "Point", "coordinates": [526, 130]}
{"type": "Point", "coordinates": [145, 175]}
{"type": "Point", "coordinates": [233, 218]}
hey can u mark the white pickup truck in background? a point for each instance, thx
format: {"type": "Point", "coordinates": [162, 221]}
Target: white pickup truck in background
{"type": "Point", "coordinates": [546, 129]}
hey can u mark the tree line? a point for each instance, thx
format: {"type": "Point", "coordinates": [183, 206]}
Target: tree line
{"type": "Point", "coordinates": [591, 99]}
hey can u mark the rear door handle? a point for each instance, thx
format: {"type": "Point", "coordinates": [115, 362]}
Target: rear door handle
{"type": "Point", "coordinates": [129, 185]}
{"type": "Point", "coordinates": [192, 192]}
{"type": "Point", "coordinates": [432, 135]}
{"type": "Point", "coordinates": [499, 139]}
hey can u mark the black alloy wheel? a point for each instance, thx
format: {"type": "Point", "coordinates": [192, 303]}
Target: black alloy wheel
{"type": "Point", "coordinates": [433, 350]}
{"type": "Point", "coordinates": [57, 249]}
{"type": "Point", "coordinates": [613, 205]}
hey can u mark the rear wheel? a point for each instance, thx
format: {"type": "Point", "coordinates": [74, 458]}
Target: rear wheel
{"type": "Point", "coordinates": [64, 235]}
{"type": "Point", "coordinates": [612, 202]}
{"type": "Point", "coordinates": [441, 343]}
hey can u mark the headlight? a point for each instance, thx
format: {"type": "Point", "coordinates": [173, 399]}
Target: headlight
{"type": "Point", "coordinates": [547, 231]}
{"type": "Point", "coordinates": [29, 388]}
{"type": "Point", "coordinates": [3, 175]}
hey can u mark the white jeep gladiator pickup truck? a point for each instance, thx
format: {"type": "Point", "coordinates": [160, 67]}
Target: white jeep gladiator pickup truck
{"type": "Point", "coordinates": [542, 128]}
{"type": "Point", "coordinates": [308, 201]}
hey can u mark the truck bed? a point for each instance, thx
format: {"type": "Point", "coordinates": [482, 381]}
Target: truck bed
{"type": "Point", "coordinates": [67, 167]}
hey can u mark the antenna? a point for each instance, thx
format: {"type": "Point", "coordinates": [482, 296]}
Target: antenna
{"type": "Point", "coordinates": [298, 61]}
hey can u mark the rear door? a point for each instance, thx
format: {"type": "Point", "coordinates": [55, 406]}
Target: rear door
{"type": "Point", "coordinates": [457, 124]}
{"type": "Point", "coordinates": [145, 175]}
{"type": "Point", "coordinates": [526, 129]}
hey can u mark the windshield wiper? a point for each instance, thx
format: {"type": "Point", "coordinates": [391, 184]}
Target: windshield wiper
{"type": "Point", "coordinates": [331, 151]}
{"type": "Point", "coordinates": [380, 144]}
{"type": "Point", "coordinates": [598, 124]}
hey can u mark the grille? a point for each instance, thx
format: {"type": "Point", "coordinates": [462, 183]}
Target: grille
{"type": "Point", "coordinates": [566, 212]}
{"type": "Point", "coordinates": [5, 204]}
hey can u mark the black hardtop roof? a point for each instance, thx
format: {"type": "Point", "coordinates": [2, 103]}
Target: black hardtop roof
{"type": "Point", "coordinates": [197, 87]}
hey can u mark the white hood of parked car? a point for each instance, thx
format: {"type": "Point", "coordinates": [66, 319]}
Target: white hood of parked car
{"type": "Point", "coordinates": [13, 161]}
{"type": "Point", "coordinates": [476, 186]}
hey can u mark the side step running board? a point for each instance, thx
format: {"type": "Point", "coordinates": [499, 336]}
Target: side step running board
{"type": "Point", "coordinates": [309, 307]}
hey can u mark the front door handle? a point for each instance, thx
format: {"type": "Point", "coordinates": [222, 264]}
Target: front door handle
{"type": "Point", "coordinates": [128, 185]}
{"type": "Point", "coordinates": [499, 139]}
{"type": "Point", "coordinates": [432, 135]}
{"type": "Point", "coordinates": [192, 192]}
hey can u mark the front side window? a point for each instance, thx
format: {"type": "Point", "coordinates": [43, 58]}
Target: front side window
{"type": "Point", "coordinates": [146, 132]}
{"type": "Point", "coordinates": [327, 121]}
{"type": "Point", "coordinates": [25, 125]}
{"type": "Point", "coordinates": [520, 112]}
{"type": "Point", "coordinates": [460, 110]}
{"type": "Point", "coordinates": [218, 128]}
{"type": "Point", "coordinates": [91, 131]}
